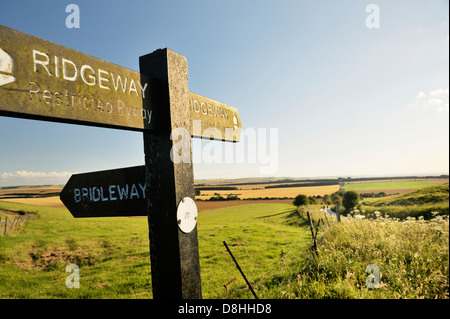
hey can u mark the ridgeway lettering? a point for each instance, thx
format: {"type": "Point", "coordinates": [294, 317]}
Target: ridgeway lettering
{"type": "Point", "coordinates": [67, 69]}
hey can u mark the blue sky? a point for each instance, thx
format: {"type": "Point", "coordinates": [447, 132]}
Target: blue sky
{"type": "Point", "coordinates": [347, 100]}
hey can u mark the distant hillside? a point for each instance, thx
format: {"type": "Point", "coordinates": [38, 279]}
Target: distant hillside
{"type": "Point", "coordinates": [331, 180]}
{"type": "Point", "coordinates": [425, 203]}
{"type": "Point", "coordinates": [427, 195]}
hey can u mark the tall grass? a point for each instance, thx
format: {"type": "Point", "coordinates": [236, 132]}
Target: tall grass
{"type": "Point", "coordinates": [426, 212]}
{"type": "Point", "coordinates": [412, 257]}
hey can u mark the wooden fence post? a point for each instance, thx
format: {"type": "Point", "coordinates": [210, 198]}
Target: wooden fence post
{"type": "Point", "coordinates": [311, 226]}
{"type": "Point", "coordinates": [317, 228]}
{"type": "Point", "coordinates": [326, 218]}
{"type": "Point", "coordinates": [338, 215]}
{"type": "Point", "coordinates": [11, 228]}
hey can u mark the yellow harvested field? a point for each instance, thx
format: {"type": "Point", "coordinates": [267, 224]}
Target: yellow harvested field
{"type": "Point", "coordinates": [24, 190]}
{"type": "Point", "coordinates": [290, 192]}
{"type": "Point", "coordinates": [258, 186]}
{"type": "Point", "coordinates": [52, 201]}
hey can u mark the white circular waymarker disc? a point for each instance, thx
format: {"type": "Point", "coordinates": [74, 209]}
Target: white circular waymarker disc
{"type": "Point", "coordinates": [187, 215]}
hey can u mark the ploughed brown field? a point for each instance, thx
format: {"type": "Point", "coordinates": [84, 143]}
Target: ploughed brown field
{"type": "Point", "coordinates": [208, 205]}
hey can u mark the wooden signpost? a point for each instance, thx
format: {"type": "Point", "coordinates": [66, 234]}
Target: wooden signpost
{"type": "Point", "coordinates": [45, 81]}
{"type": "Point", "coordinates": [117, 192]}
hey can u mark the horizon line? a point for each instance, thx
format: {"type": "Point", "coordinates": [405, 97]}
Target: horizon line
{"type": "Point", "coordinates": [436, 175]}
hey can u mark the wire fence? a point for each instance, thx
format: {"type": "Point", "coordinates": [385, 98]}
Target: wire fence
{"type": "Point", "coordinates": [286, 268]}
{"type": "Point", "coordinates": [280, 268]}
{"type": "Point", "coordinates": [12, 222]}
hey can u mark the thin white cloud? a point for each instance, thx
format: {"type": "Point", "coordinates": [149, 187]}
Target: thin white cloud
{"type": "Point", "coordinates": [438, 92]}
{"type": "Point", "coordinates": [437, 99]}
{"type": "Point", "coordinates": [30, 177]}
{"type": "Point", "coordinates": [443, 108]}
{"type": "Point", "coordinates": [28, 174]}
{"type": "Point", "coordinates": [420, 95]}
{"type": "Point", "coordinates": [434, 101]}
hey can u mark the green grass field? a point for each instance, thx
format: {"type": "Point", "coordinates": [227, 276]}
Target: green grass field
{"type": "Point", "coordinates": [271, 242]}
{"type": "Point", "coordinates": [264, 238]}
{"type": "Point", "coordinates": [387, 185]}
{"type": "Point", "coordinates": [113, 253]}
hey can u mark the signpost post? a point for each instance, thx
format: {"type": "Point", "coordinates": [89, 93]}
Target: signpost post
{"type": "Point", "coordinates": [45, 81]}
{"type": "Point", "coordinates": [174, 253]}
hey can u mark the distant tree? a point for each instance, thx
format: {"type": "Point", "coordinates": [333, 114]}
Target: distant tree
{"type": "Point", "coordinates": [312, 200]}
{"type": "Point", "coordinates": [301, 200]}
{"type": "Point", "coordinates": [350, 200]}
{"type": "Point", "coordinates": [232, 197]}
{"type": "Point", "coordinates": [327, 200]}
{"type": "Point", "coordinates": [335, 198]}
{"type": "Point", "coordinates": [217, 198]}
